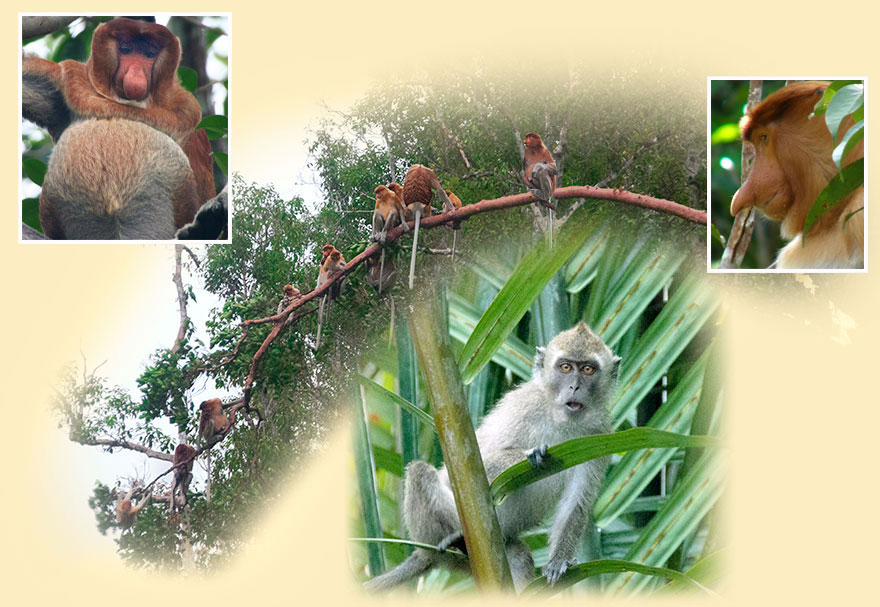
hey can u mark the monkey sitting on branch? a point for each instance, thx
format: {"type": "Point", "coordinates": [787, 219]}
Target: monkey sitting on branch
{"type": "Point", "coordinates": [566, 398]}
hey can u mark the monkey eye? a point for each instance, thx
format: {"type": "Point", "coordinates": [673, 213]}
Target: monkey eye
{"type": "Point", "coordinates": [150, 54]}
{"type": "Point", "coordinates": [588, 369]}
{"type": "Point", "coordinates": [764, 138]}
{"type": "Point", "coordinates": [125, 50]}
{"type": "Point", "coordinates": [565, 367]}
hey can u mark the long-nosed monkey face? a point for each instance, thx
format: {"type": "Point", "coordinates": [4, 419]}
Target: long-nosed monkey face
{"type": "Point", "coordinates": [767, 187]}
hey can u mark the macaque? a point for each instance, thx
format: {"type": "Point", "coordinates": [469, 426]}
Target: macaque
{"type": "Point", "coordinates": [212, 421]}
{"type": "Point", "coordinates": [792, 166]}
{"type": "Point", "coordinates": [127, 162]}
{"type": "Point", "coordinates": [291, 294]}
{"type": "Point", "coordinates": [126, 512]}
{"type": "Point", "coordinates": [419, 187]}
{"type": "Point", "coordinates": [539, 170]}
{"type": "Point", "coordinates": [573, 380]}
{"type": "Point", "coordinates": [183, 462]}
{"type": "Point", "coordinates": [331, 263]}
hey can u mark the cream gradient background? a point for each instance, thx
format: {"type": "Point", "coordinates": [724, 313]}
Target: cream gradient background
{"type": "Point", "coordinates": [802, 496]}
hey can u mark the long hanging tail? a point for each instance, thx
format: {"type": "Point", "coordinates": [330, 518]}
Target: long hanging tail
{"type": "Point", "coordinates": [381, 269]}
{"type": "Point", "coordinates": [415, 564]}
{"type": "Point", "coordinates": [391, 326]}
{"type": "Point", "coordinates": [454, 233]}
{"type": "Point", "coordinates": [550, 214]}
{"type": "Point", "coordinates": [412, 263]}
{"type": "Point", "coordinates": [320, 320]}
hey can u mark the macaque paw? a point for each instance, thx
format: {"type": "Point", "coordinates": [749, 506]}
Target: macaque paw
{"type": "Point", "coordinates": [537, 456]}
{"type": "Point", "coordinates": [453, 540]}
{"type": "Point", "coordinates": [554, 570]}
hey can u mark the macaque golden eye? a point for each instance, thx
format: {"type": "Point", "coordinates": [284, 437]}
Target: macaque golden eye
{"type": "Point", "coordinates": [565, 367]}
{"type": "Point", "coordinates": [588, 369]}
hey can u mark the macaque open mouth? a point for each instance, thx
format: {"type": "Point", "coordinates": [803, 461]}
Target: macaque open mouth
{"type": "Point", "coordinates": [574, 405]}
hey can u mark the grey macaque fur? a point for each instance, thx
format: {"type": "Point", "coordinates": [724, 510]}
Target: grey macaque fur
{"type": "Point", "coordinates": [550, 408]}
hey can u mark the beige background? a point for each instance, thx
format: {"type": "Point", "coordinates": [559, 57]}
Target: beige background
{"type": "Point", "coordinates": [802, 497]}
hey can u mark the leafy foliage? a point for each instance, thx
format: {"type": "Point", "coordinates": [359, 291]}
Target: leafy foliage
{"type": "Point", "coordinates": [654, 496]}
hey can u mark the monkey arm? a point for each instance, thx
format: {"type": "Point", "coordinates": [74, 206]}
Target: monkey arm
{"type": "Point", "coordinates": [572, 514]}
{"type": "Point", "coordinates": [210, 221]}
{"type": "Point", "coordinates": [42, 101]}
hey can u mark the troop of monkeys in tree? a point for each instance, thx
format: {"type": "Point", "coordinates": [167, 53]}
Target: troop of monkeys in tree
{"type": "Point", "coordinates": [793, 164]}
{"type": "Point", "coordinates": [399, 204]}
{"type": "Point", "coordinates": [213, 426]}
{"type": "Point", "coordinates": [567, 397]}
{"type": "Point", "coordinates": [128, 162]}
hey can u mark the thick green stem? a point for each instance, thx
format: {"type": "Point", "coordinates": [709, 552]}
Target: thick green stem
{"type": "Point", "coordinates": [482, 534]}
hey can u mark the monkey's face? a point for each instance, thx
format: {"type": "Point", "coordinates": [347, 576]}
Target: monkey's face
{"type": "Point", "coordinates": [575, 384]}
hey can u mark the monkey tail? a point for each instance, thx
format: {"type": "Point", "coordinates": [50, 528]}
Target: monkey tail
{"type": "Point", "coordinates": [415, 564]}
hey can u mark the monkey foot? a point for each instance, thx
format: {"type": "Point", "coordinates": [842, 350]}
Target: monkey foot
{"type": "Point", "coordinates": [553, 571]}
{"type": "Point", "coordinates": [453, 540]}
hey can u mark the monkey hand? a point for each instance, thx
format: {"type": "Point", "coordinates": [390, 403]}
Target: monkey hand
{"type": "Point", "coordinates": [453, 540]}
{"type": "Point", "coordinates": [554, 570]}
{"type": "Point", "coordinates": [537, 456]}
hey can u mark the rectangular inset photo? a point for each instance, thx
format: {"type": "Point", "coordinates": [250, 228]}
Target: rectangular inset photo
{"type": "Point", "coordinates": [124, 128]}
{"type": "Point", "coordinates": [787, 175]}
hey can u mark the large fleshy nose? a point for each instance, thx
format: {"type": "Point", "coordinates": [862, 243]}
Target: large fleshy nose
{"type": "Point", "coordinates": [736, 203]}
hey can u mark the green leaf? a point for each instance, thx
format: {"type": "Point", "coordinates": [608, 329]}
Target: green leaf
{"type": "Point", "coordinates": [637, 283]}
{"type": "Point", "coordinates": [386, 459]}
{"type": "Point", "coordinates": [35, 170]}
{"type": "Point", "coordinates": [579, 450]}
{"type": "Point", "coordinates": [684, 314]}
{"type": "Point", "coordinates": [375, 391]}
{"type": "Point", "coordinates": [690, 501]}
{"type": "Point", "coordinates": [30, 213]}
{"type": "Point", "coordinates": [364, 466]}
{"type": "Point", "coordinates": [835, 86]}
{"type": "Point", "coordinates": [222, 161]}
{"type": "Point", "coordinates": [850, 178]}
{"type": "Point", "coordinates": [216, 126]}
{"type": "Point", "coordinates": [708, 571]}
{"type": "Point", "coordinates": [726, 133]}
{"type": "Point", "coordinates": [855, 134]}
{"type": "Point", "coordinates": [189, 78]}
{"type": "Point", "coordinates": [581, 268]}
{"type": "Point", "coordinates": [585, 570]}
{"type": "Point", "coordinates": [514, 354]}
{"type": "Point", "coordinates": [846, 101]}
{"type": "Point", "coordinates": [636, 469]}
{"type": "Point", "coordinates": [525, 284]}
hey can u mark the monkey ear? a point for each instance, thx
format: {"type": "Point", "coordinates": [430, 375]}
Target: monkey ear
{"type": "Point", "coordinates": [615, 366]}
{"type": "Point", "coordinates": [539, 361]}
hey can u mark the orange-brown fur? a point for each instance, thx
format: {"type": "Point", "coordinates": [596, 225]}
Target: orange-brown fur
{"type": "Point", "coordinates": [388, 212]}
{"type": "Point", "coordinates": [535, 152]}
{"type": "Point", "coordinates": [792, 165]}
{"type": "Point", "coordinates": [126, 88]}
{"type": "Point", "coordinates": [212, 421]}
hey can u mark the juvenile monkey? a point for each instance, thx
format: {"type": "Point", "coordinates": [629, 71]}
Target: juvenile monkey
{"type": "Point", "coordinates": [126, 512]}
{"type": "Point", "coordinates": [291, 294]}
{"type": "Point", "coordinates": [331, 263]}
{"type": "Point", "coordinates": [566, 398]}
{"type": "Point", "coordinates": [419, 187]}
{"type": "Point", "coordinates": [388, 212]}
{"type": "Point", "coordinates": [212, 421]}
{"type": "Point", "coordinates": [183, 457]}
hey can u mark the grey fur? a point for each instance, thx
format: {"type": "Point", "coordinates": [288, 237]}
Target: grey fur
{"type": "Point", "coordinates": [552, 407]}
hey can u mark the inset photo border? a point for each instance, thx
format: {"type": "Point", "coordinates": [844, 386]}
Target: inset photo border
{"type": "Point", "coordinates": [786, 180]}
